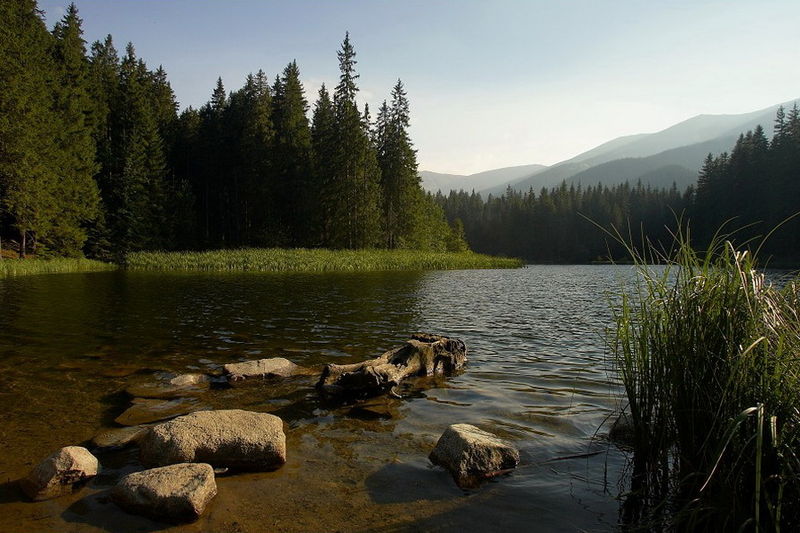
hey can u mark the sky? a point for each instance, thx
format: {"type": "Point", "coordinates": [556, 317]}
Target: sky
{"type": "Point", "coordinates": [491, 84]}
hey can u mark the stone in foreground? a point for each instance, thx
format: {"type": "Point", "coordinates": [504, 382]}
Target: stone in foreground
{"type": "Point", "coordinates": [233, 438]}
{"type": "Point", "coordinates": [423, 355]}
{"type": "Point", "coordinates": [174, 493]}
{"type": "Point", "coordinates": [472, 455]}
{"type": "Point", "coordinates": [60, 474]}
{"type": "Point", "coordinates": [262, 368]}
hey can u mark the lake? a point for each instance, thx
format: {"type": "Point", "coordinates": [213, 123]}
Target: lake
{"type": "Point", "coordinates": [537, 375]}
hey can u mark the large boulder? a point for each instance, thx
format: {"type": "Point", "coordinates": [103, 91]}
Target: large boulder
{"type": "Point", "coordinates": [173, 493]}
{"type": "Point", "coordinates": [231, 438]}
{"type": "Point", "coordinates": [472, 455]}
{"type": "Point", "coordinates": [60, 474]}
{"type": "Point", "coordinates": [261, 368]}
{"type": "Point", "coordinates": [422, 355]}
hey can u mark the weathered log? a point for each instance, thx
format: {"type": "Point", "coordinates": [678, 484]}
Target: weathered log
{"type": "Point", "coordinates": [422, 355]}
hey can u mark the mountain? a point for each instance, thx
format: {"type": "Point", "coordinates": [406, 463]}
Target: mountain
{"type": "Point", "coordinates": [500, 177]}
{"type": "Point", "coordinates": [657, 159]}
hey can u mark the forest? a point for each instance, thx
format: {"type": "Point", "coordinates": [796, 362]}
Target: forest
{"type": "Point", "coordinates": [96, 160]}
{"type": "Point", "coordinates": [746, 193]}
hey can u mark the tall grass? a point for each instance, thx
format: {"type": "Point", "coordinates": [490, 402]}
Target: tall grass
{"type": "Point", "coordinates": [26, 267]}
{"type": "Point", "coordinates": [709, 355]}
{"type": "Point", "coordinates": [313, 260]}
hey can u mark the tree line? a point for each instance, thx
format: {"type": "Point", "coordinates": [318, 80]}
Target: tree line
{"type": "Point", "coordinates": [748, 192]}
{"type": "Point", "coordinates": [96, 159]}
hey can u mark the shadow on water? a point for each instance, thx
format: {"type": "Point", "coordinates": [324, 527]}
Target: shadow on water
{"type": "Point", "coordinates": [536, 375]}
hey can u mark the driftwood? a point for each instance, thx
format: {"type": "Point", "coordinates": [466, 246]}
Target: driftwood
{"type": "Point", "coordinates": [422, 355]}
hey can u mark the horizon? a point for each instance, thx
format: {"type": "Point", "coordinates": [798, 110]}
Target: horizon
{"type": "Point", "coordinates": [632, 68]}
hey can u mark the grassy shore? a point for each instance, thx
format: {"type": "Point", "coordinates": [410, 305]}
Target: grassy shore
{"type": "Point", "coordinates": [313, 260]}
{"type": "Point", "coordinates": [707, 350]}
{"type": "Point", "coordinates": [26, 267]}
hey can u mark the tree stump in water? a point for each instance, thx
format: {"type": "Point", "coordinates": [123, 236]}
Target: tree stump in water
{"type": "Point", "coordinates": [422, 355]}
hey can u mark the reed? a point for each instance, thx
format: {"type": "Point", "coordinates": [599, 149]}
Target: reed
{"type": "Point", "coordinates": [26, 267]}
{"type": "Point", "coordinates": [313, 260]}
{"type": "Point", "coordinates": [708, 352]}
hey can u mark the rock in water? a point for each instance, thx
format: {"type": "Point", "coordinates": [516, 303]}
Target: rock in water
{"type": "Point", "coordinates": [145, 410]}
{"type": "Point", "coordinates": [275, 366]}
{"type": "Point", "coordinates": [422, 355]}
{"type": "Point", "coordinates": [472, 455]}
{"type": "Point", "coordinates": [60, 474]}
{"type": "Point", "coordinates": [231, 438]}
{"type": "Point", "coordinates": [118, 437]}
{"type": "Point", "coordinates": [179, 386]}
{"type": "Point", "coordinates": [175, 493]}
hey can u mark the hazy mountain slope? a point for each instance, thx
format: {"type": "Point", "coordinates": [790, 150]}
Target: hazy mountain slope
{"type": "Point", "coordinates": [677, 145]}
{"type": "Point", "coordinates": [435, 181]}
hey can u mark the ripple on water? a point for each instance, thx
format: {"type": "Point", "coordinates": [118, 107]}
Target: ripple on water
{"type": "Point", "coordinates": [537, 375]}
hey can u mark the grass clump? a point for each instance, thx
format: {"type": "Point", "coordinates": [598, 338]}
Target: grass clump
{"type": "Point", "coordinates": [709, 355]}
{"type": "Point", "coordinates": [26, 267]}
{"type": "Point", "coordinates": [314, 260]}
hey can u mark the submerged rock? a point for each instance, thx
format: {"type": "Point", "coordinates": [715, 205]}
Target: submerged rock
{"type": "Point", "coordinates": [261, 368]}
{"type": "Point", "coordinates": [175, 493]}
{"type": "Point", "coordinates": [422, 355]}
{"type": "Point", "coordinates": [177, 387]}
{"type": "Point", "coordinates": [60, 474]}
{"type": "Point", "coordinates": [472, 455]}
{"type": "Point", "coordinates": [118, 437]}
{"type": "Point", "coordinates": [231, 438]}
{"type": "Point", "coordinates": [145, 410]}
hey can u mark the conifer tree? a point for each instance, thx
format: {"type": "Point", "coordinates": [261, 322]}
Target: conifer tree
{"type": "Point", "coordinates": [292, 154]}
{"type": "Point", "coordinates": [76, 189]}
{"type": "Point", "coordinates": [356, 212]}
{"type": "Point", "coordinates": [323, 143]}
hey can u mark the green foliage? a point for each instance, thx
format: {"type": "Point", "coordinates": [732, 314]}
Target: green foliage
{"type": "Point", "coordinates": [27, 267]}
{"type": "Point", "coordinates": [707, 351]}
{"type": "Point", "coordinates": [316, 260]}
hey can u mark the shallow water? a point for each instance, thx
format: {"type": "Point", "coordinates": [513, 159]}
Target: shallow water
{"type": "Point", "coordinates": [537, 375]}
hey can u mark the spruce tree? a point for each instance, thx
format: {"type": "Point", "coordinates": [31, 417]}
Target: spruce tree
{"type": "Point", "coordinates": [323, 186]}
{"type": "Point", "coordinates": [356, 212]}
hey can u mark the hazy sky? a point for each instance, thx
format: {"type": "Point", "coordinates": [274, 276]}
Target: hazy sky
{"type": "Point", "coordinates": [494, 83]}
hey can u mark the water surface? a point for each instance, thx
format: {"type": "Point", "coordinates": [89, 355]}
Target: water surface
{"type": "Point", "coordinates": [537, 375]}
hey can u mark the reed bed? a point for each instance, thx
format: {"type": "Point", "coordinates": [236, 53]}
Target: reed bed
{"type": "Point", "coordinates": [709, 355]}
{"type": "Point", "coordinates": [314, 260]}
{"type": "Point", "coordinates": [27, 267]}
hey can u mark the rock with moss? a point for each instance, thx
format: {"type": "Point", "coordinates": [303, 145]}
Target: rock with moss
{"type": "Point", "coordinates": [175, 493]}
{"type": "Point", "coordinates": [232, 438]}
{"type": "Point", "coordinates": [61, 473]}
{"type": "Point", "coordinates": [473, 455]}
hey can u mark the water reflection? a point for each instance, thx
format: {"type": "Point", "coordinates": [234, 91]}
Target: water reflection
{"type": "Point", "coordinates": [537, 375]}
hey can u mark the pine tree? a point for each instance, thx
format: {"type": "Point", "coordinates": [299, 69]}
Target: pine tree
{"type": "Point", "coordinates": [76, 189]}
{"type": "Point", "coordinates": [323, 185]}
{"type": "Point", "coordinates": [356, 212]}
{"type": "Point", "coordinates": [292, 154]}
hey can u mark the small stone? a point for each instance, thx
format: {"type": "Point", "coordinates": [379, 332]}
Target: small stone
{"type": "Point", "coordinates": [175, 493]}
{"type": "Point", "coordinates": [622, 431]}
{"type": "Point", "coordinates": [472, 455]}
{"type": "Point", "coordinates": [177, 387]}
{"type": "Point", "coordinates": [60, 474]}
{"type": "Point", "coordinates": [232, 438]}
{"type": "Point", "coordinates": [261, 368]}
{"type": "Point", "coordinates": [145, 410]}
{"type": "Point", "coordinates": [118, 437]}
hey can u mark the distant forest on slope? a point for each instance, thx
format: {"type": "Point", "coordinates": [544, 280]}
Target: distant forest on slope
{"type": "Point", "coordinates": [753, 189]}
{"type": "Point", "coordinates": [95, 158]}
